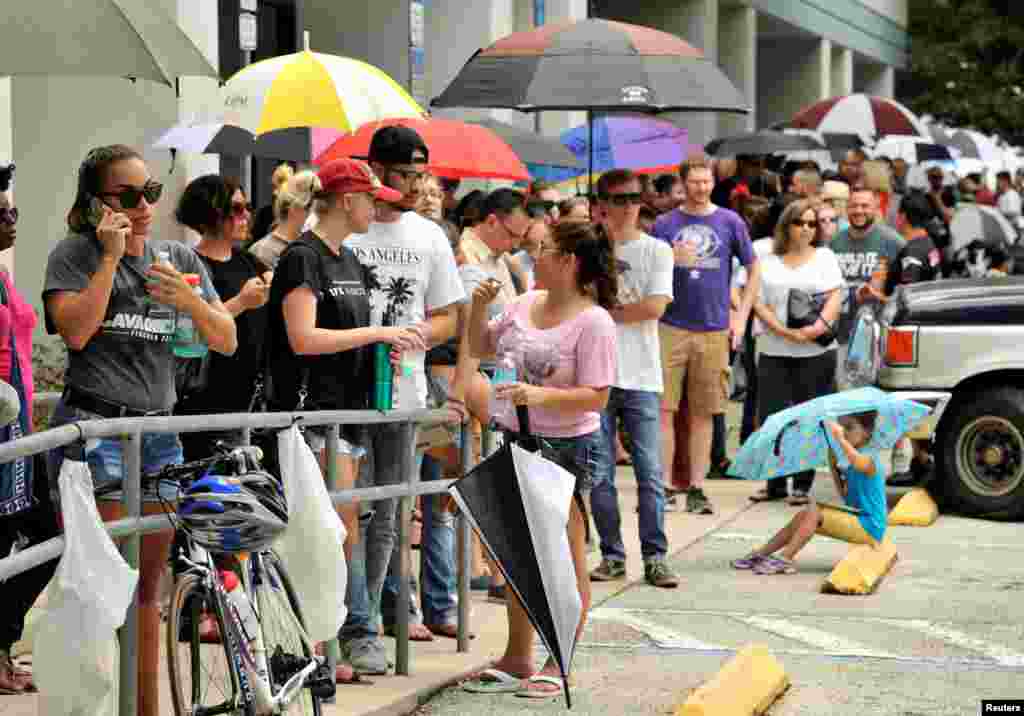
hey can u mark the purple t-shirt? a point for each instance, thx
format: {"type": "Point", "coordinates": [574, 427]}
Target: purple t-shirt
{"type": "Point", "coordinates": [704, 248]}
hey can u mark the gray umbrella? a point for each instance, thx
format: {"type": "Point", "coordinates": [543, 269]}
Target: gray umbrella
{"type": "Point", "coordinates": [767, 141]}
{"type": "Point", "coordinates": [530, 147]}
{"type": "Point", "coordinates": [112, 38]}
{"type": "Point", "coordinates": [975, 221]}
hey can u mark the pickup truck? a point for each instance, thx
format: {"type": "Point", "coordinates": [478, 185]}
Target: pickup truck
{"type": "Point", "coordinates": [957, 346]}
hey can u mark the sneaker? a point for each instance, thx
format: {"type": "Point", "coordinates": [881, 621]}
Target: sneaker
{"type": "Point", "coordinates": [774, 565]}
{"type": "Point", "coordinates": [697, 502]}
{"type": "Point", "coordinates": [609, 570]}
{"type": "Point", "coordinates": [718, 472]}
{"type": "Point", "coordinates": [748, 562]}
{"type": "Point", "coordinates": [797, 498]}
{"type": "Point", "coordinates": [366, 655]}
{"type": "Point", "coordinates": [657, 574]}
{"type": "Point", "coordinates": [496, 594]}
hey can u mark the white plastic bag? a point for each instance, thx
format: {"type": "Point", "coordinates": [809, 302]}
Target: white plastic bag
{"type": "Point", "coordinates": [75, 660]}
{"type": "Point", "coordinates": [311, 547]}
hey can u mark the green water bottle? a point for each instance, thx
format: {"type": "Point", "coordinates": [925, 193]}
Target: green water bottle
{"type": "Point", "coordinates": [383, 375]}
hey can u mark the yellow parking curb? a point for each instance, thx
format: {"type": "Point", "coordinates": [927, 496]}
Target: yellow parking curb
{"type": "Point", "coordinates": [860, 571]}
{"type": "Point", "coordinates": [915, 509]}
{"type": "Point", "coordinates": [747, 685]}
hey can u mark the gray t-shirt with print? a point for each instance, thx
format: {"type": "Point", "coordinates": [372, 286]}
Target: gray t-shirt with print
{"type": "Point", "coordinates": [129, 360]}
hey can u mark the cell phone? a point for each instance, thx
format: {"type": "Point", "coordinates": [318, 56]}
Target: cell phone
{"type": "Point", "coordinates": [94, 213]}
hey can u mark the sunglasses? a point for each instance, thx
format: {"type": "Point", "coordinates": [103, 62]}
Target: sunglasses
{"type": "Point", "coordinates": [407, 174]}
{"type": "Point", "coordinates": [130, 197]}
{"type": "Point", "coordinates": [9, 216]}
{"type": "Point", "coordinates": [624, 199]}
{"type": "Point", "coordinates": [800, 224]}
{"type": "Point", "coordinates": [239, 209]}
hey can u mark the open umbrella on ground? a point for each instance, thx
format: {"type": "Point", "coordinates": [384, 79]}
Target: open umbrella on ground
{"type": "Point", "coordinates": [312, 90]}
{"type": "Point", "coordinates": [627, 143]}
{"type": "Point", "coordinates": [518, 502]}
{"type": "Point", "coordinates": [113, 38]}
{"type": "Point", "coordinates": [767, 141]}
{"type": "Point", "coordinates": [796, 439]}
{"type": "Point", "coordinates": [869, 117]}
{"type": "Point", "coordinates": [913, 150]}
{"type": "Point", "coordinates": [458, 150]}
{"type": "Point", "coordinates": [975, 221]}
{"type": "Point", "coordinates": [532, 148]}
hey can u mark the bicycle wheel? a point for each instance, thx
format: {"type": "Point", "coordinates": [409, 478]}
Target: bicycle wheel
{"type": "Point", "coordinates": [283, 626]}
{"type": "Point", "coordinates": [202, 675]}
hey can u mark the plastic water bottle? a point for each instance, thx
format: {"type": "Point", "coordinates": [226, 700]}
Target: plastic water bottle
{"type": "Point", "coordinates": [188, 343]}
{"type": "Point", "coordinates": [163, 257]}
{"type": "Point", "coordinates": [504, 373]}
{"type": "Point", "coordinates": [243, 607]}
{"type": "Point", "coordinates": [405, 391]}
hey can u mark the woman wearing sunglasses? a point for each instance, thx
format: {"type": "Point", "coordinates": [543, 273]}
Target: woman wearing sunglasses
{"type": "Point", "coordinates": [792, 364]}
{"type": "Point", "coordinates": [114, 305]}
{"type": "Point", "coordinates": [216, 209]}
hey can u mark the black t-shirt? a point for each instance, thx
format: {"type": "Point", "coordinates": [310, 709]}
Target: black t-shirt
{"type": "Point", "coordinates": [918, 260]}
{"type": "Point", "coordinates": [337, 381]}
{"type": "Point", "coordinates": [232, 379]}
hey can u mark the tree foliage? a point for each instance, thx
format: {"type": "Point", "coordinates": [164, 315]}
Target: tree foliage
{"type": "Point", "coordinates": [967, 64]}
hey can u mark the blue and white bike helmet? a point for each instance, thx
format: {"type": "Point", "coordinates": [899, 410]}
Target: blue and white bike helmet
{"type": "Point", "coordinates": [243, 513]}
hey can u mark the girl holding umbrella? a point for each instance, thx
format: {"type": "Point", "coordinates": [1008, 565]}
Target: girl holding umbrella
{"type": "Point", "coordinates": [562, 340]}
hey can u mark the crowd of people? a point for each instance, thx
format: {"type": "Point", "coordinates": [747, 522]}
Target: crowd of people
{"type": "Point", "coordinates": [622, 312]}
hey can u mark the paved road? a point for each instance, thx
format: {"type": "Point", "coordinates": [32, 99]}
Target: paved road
{"type": "Point", "coordinates": [944, 630]}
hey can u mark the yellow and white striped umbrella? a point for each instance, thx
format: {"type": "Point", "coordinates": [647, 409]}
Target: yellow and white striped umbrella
{"type": "Point", "coordinates": [310, 89]}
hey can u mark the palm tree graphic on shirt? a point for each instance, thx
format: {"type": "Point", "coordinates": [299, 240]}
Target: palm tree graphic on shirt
{"type": "Point", "coordinates": [399, 294]}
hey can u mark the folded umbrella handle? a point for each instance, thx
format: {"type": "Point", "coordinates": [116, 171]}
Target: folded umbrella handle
{"type": "Point", "coordinates": [777, 451]}
{"type": "Point", "coordinates": [526, 438]}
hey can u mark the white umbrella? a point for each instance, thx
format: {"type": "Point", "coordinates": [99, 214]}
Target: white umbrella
{"type": "Point", "coordinates": [867, 116]}
{"type": "Point", "coordinates": [912, 150]}
{"type": "Point", "coordinates": [975, 221]}
{"type": "Point", "coordinates": [975, 145]}
{"type": "Point", "coordinates": [113, 38]}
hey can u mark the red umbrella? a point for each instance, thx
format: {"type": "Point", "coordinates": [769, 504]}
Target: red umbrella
{"type": "Point", "coordinates": [458, 150]}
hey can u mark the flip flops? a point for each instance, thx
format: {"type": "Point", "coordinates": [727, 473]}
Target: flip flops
{"type": "Point", "coordinates": [527, 693]}
{"type": "Point", "coordinates": [494, 681]}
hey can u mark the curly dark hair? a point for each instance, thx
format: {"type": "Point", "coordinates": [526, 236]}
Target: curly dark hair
{"type": "Point", "coordinates": [206, 202]}
{"type": "Point", "coordinates": [6, 175]}
{"type": "Point", "coordinates": [91, 174]}
{"type": "Point", "coordinates": [598, 272]}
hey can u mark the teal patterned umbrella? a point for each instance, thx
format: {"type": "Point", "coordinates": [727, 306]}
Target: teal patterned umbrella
{"type": "Point", "coordinates": [796, 439]}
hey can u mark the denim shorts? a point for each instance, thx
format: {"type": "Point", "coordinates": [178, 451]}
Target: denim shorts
{"type": "Point", "coordinates": [349, 440]}
{"type": "Point", "coordinates": [105, 459]}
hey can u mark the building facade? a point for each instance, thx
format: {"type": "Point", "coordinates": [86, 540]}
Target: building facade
{"type": "Point", "coordinates": [782, 54]}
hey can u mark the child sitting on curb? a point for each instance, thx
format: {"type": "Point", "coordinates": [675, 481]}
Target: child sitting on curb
{"type": "Point", "coordinates": [862, 487]}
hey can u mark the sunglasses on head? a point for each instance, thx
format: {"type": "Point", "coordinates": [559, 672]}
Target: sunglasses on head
{"type": "Point", "coordinates": [624, 199]}
{"type": "Point", "coordinates": [131, 197]}
{"type": "Point", "coordinates": [9, 216]}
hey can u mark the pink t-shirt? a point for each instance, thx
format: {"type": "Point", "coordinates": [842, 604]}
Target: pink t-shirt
{"type": "Point", "coordinates": [574, 354]}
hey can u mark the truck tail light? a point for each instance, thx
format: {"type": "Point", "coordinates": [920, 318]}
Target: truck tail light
{"type": "Point", "coordinates": [901, 346]}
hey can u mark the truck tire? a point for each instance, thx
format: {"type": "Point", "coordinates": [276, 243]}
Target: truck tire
{"type": "Point", "coordinates": [981, 454]}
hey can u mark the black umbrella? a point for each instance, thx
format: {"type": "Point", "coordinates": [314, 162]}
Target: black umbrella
{"type": "Point", "coordinates": [767, 141]}
{"type": "Point", "coordinates": [530, 147]}
{"type": "Point", "coordinates": [596, 65]}
{"type": "Point", "coordinates": [220, 138]}
{"type": "Point", "coordinates": [518, 502]}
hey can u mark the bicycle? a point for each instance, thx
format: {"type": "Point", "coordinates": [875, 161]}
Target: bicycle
{"type": "Point", "coordinates": [255, 658]}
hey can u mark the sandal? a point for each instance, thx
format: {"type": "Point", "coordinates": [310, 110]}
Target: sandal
{"type": "Point", "coordinates": [799, 497]}
{"type": "Point", "coordinates": [10, 684]}
{"type": "Point", "coordinates": [494, 681]}
{"type": "Point", "coordinates": [541, 693]}
{"type": "Point", "coordinates": [775, 565]}
{"type": "Point", "coordinates": [764, 495]}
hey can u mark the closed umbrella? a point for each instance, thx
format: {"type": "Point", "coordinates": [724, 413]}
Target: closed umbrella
{"type": "Point", "coordinates": [309, 89]}
{"type": "Point", "coordinates": [111, 38]}
{"type": "Point", "coordinates": [766, 141]}
{"type": "Point", "coordinates": [457, 150]}
{"type": "Point", "coordinates": [869, 117]}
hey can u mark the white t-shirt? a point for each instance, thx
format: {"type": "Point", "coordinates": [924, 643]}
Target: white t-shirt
{"type": "Point", "coordinates": [645, 270]}
{"type": "Point", "coordinates": [820, 274]}
{"type": "Point", "coordinates": [415, 272]}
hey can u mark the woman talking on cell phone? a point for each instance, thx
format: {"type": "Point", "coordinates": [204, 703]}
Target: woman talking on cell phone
{"type": "Point", "coordinates": [112, 291]}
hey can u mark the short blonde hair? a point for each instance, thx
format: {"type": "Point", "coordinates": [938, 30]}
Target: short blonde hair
{"type": "Point", "coordinates": [298, 191]}
{"type": "Point", "coordinates": [281, 175]}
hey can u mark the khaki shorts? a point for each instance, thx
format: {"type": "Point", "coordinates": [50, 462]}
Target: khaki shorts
{"type": "Point", "coordinates": [704, 370]}
{"type": "Point", "coordinates": [843, 526]}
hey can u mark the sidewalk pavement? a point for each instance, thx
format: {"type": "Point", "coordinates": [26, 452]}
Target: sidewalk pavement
{"type": "Point", "coordinates": [436, 664]}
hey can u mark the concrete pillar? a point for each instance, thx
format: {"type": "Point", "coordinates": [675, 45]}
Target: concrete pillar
{"type": "Point", "coordinates": [737, 55]}
{"type": "Point", "coordinates": [842, 71]}
{"type": "Point", "coordinates": [794, 74]}
{"type": "Point", "coordinates": [877, 79]}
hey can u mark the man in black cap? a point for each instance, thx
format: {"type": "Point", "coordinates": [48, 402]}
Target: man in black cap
{"type": "Point", "coordinates": [413, 282]}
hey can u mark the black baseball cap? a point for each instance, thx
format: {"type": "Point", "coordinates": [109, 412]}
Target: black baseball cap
{"type": "Point", "coordinates": [396, 144]}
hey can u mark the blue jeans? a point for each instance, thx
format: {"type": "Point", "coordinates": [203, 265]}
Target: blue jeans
{"type": "Point", "coordinates": [640, 413]}
{"type": "Point", "coordinates": [372, 554]}
{"type": "Point", "coordinates": [437, 559]}
{"type": "Point", "coordinates": [106, 461]}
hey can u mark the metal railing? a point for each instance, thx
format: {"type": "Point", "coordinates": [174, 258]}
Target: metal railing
{"type": "Point", "coordinates": [130, 430]}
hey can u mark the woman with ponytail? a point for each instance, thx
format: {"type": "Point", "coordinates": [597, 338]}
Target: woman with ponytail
{"type": "Point", "coordinates": [562, 340]}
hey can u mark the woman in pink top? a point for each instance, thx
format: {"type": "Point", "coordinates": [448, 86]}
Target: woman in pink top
{"type": "Point", "coordinates": [562, 340]}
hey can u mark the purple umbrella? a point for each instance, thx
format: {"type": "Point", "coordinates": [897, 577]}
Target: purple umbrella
{"type": "Point", "coordinates": [628, 143]}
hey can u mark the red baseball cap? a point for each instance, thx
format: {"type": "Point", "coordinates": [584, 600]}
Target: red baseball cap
{"type": "Point", "coordinates": [350, 176]}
